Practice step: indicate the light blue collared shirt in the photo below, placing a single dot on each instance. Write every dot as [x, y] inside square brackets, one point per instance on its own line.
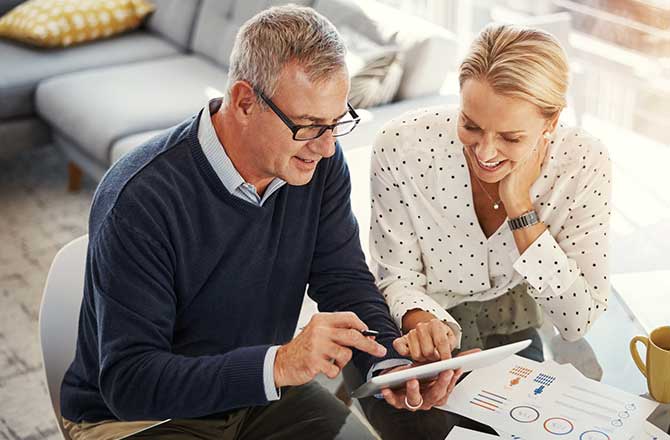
[237, 186]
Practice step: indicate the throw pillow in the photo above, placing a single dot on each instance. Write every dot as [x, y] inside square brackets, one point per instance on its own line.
[61, 23]
[376, 69]
[377, 82]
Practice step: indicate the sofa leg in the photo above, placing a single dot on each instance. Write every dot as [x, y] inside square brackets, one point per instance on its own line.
[74, 174]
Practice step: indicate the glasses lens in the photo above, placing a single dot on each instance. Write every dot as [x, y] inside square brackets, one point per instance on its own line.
[309, 132]
[344, 127]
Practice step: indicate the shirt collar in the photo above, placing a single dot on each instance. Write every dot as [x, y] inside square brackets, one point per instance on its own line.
[216, 153]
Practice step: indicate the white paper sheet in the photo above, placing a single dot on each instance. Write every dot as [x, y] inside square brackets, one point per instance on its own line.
[534, 401]
[458, 433]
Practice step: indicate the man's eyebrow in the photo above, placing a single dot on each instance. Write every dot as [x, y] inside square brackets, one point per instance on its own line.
[502, 132]
[319, 120]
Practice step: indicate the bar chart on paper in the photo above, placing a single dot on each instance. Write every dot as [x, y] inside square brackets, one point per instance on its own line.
[524, 399]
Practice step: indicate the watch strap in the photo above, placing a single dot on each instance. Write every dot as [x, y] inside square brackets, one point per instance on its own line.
[528, 219]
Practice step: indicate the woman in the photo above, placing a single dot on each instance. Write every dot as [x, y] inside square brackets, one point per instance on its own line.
[488, 216]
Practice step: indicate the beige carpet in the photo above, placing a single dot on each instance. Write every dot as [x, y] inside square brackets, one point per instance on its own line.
[37, 217]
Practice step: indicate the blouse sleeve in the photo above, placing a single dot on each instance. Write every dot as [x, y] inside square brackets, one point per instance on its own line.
[568, 275]
[394, 248]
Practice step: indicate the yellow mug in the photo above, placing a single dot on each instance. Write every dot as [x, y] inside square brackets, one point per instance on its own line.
[657, 367]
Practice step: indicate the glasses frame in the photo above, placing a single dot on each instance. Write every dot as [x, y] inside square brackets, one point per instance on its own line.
[297, 127]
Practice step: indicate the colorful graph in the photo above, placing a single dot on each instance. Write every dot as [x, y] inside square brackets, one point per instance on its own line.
[519, 373]
[544, 380]
[488, 400]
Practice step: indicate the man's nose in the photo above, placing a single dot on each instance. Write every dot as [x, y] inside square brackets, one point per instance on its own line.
[324, 145]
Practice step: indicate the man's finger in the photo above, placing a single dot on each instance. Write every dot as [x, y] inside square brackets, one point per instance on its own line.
[328, 368]
[341, 355]
[344, 320]
[354, 339]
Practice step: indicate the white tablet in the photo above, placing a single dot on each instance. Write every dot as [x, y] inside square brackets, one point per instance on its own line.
[468, 362]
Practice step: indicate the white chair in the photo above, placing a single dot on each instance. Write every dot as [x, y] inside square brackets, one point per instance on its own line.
[59, 317]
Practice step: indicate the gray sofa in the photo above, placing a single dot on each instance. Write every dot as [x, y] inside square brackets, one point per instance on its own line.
[98, 101]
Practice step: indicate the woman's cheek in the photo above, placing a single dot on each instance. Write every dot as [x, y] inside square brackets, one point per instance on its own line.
[466, 137]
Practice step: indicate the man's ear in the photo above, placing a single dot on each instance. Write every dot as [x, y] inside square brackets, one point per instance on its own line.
[243, 101]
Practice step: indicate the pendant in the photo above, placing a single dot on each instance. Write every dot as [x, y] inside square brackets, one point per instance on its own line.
[496, 205]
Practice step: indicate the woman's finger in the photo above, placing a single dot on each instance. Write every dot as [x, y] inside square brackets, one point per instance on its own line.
[413, 393]
[401, 345]
[414, 346]
[426, 342]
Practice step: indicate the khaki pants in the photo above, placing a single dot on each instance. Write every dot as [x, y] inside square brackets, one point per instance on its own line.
[305, 412]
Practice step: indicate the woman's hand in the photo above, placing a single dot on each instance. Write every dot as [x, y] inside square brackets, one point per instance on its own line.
[428, 341]
[514, 189]
[424, 395]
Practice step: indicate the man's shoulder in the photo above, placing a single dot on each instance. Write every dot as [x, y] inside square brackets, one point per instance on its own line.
[145, 173]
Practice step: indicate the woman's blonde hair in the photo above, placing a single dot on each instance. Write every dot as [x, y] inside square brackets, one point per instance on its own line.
[521, 62]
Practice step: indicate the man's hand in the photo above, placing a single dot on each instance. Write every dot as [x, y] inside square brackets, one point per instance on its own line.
[323, 346]
[424, 396]
[427, 342]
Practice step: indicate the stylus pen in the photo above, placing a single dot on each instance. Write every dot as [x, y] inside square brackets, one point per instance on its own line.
[363, 332]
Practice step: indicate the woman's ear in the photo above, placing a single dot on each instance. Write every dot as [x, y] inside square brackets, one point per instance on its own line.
[552, 123]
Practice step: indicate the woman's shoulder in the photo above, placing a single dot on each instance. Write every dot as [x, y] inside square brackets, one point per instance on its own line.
[577, 148]
[419, 130]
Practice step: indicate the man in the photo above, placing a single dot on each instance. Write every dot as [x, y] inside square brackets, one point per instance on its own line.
[201, 244]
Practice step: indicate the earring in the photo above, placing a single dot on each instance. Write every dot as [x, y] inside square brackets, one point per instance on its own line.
[547, 135]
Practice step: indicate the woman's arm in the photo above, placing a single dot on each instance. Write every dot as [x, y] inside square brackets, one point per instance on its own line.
[394, 246]
[568, 273]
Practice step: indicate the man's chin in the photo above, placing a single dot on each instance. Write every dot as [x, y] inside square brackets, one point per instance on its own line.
[299, 179]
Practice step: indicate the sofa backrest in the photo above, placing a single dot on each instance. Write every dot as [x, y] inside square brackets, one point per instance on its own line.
[218, 23]
[174, 20]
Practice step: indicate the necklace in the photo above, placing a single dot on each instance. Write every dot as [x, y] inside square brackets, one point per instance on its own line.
[496, 204]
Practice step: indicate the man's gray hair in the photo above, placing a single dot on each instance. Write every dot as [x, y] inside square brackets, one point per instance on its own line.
[283, 34]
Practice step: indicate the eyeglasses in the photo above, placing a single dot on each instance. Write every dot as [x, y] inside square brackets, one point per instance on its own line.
[309, 132]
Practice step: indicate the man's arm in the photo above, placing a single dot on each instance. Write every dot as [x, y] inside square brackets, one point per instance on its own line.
[136, 306]
[340, 279]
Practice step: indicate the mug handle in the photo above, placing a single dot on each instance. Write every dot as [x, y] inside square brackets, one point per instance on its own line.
[636, 356]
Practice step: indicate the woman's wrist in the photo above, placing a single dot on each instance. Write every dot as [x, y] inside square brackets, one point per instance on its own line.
[415, 316]
[517, 208]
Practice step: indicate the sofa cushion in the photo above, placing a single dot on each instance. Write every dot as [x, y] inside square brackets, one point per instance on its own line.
[219, 20]
[174, 20]
[95, 108]
[24, 67]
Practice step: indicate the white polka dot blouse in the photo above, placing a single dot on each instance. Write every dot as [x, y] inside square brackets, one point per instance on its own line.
[428, 250]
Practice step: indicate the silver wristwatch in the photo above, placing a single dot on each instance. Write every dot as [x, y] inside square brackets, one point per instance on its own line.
[528, 219]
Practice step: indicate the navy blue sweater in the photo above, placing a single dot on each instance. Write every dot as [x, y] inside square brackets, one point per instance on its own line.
[187, 286]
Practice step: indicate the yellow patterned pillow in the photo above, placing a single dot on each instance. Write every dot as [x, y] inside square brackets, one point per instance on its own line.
[62, 23]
